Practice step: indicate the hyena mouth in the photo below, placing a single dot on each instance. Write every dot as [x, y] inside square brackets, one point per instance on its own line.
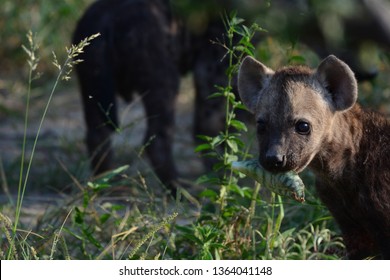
[284, 163]
[275, 164]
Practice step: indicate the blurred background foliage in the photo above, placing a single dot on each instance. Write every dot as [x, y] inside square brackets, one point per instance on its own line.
[51, 21]
[298, 31]
[349, 27]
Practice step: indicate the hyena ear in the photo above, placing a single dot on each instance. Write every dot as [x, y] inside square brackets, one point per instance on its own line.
[252, 77]
[339, 80]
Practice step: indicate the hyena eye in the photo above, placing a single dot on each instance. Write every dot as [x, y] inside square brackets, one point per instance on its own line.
[302, 127]
[261, 126]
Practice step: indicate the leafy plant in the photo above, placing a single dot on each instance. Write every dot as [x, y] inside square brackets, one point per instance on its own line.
[236, 222]
[216, 235]
[227, 146]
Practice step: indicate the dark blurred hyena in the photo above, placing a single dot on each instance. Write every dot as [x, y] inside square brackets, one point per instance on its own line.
[145, 47]
[310, 118]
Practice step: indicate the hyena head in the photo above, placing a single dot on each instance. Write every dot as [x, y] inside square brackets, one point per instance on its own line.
[295, 108]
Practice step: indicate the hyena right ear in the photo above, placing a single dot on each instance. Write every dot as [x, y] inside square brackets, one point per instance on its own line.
[252, 77]
[339, 80]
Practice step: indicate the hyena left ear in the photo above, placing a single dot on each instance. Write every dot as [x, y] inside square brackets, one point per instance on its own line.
[339, 80]
[252, 77]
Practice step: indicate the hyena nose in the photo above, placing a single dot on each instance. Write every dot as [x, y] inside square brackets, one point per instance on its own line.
[276, 161]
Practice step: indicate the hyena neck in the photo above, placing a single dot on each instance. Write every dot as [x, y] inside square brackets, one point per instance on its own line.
[341, 147]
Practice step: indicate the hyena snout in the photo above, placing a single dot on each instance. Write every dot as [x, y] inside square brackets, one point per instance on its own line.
[274, 160]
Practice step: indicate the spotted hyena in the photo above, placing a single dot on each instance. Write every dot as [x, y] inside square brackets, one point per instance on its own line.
[310, 118]
[145, 47]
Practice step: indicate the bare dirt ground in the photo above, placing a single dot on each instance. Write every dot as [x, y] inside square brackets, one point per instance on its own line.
[61, 152]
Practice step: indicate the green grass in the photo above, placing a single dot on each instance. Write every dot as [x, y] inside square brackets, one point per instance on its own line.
[126, 213]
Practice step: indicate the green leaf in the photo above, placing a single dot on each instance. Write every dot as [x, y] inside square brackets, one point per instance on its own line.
[91, 239]
[215, 95]
[213, 195]
[212, 154]
[79, 216]
[185, 229]
[236, 20]
[103, 218]
[207, 179]
[218, 166]
[245, 31]
[230, 96]
[238, 125]
[231, 158]
[240, 143]
[104, 181]
[204, 138]
[239, 105]
[98, 186]
[217, 140]
[202, 147]
[233, 145]
[206, 255]
[236, 189]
